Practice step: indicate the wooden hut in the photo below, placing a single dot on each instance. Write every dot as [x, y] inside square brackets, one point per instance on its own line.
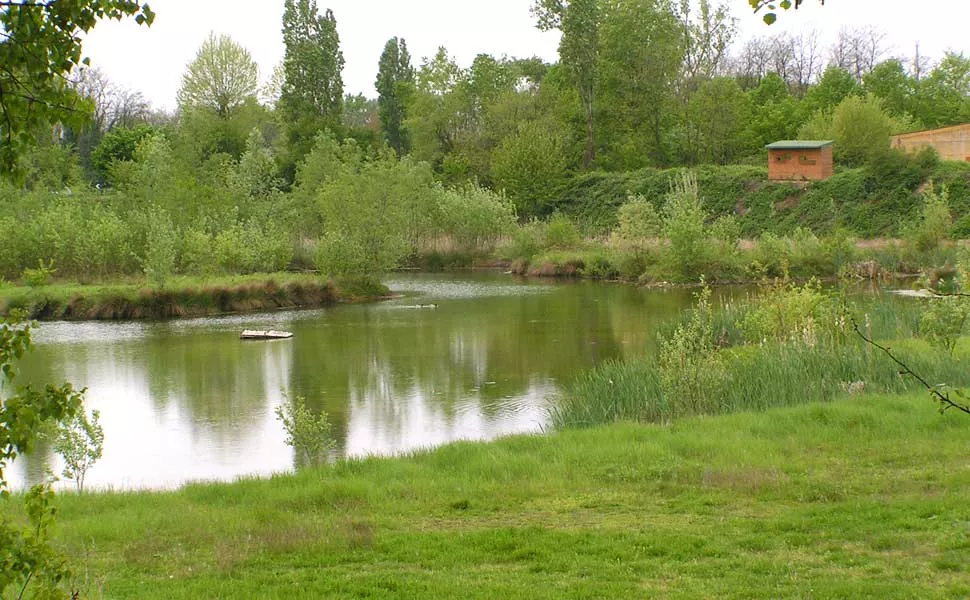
[800, 160]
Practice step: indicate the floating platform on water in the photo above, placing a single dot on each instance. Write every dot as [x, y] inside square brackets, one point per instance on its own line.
[923, 293]
[258, 334]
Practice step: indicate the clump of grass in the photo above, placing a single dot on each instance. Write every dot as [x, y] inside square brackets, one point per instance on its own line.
[788, 345]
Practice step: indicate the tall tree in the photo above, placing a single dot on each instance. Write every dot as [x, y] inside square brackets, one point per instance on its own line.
[890, 82]
[40, 44]
[432, 123]
[708, 33]
[579, 23]
[641, 53]
[312, 93]
[858, 50]
[717, 116]
[113, 107]
[221, 77]
[944, 96]
[395, 84]
[835, 86]
[774, 116]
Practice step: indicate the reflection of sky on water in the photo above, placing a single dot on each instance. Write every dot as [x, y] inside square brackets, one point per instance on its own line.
[419, 423]
[187, 400]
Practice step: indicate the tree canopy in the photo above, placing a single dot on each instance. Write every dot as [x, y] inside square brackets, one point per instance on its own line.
[221, 77]
[395, 84]
[39, 48]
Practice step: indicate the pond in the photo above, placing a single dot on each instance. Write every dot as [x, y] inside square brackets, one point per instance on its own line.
[186, 400]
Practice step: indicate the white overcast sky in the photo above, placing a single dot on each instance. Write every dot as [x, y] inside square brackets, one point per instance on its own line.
[152, 60]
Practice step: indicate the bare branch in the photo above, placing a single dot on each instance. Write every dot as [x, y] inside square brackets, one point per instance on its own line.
[944, 399]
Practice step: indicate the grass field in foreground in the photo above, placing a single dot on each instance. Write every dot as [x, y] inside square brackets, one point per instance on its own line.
[861, 497]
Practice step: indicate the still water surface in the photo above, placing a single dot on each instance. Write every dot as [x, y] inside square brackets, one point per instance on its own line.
[187, 400]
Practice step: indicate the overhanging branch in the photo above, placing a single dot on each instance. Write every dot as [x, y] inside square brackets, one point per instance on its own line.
[943, 398]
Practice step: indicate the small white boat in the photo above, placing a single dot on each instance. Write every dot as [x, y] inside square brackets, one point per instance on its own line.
[923, 293]
[258, 334]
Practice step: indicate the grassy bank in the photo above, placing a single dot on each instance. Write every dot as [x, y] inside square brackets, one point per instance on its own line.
[862, 497]
[183, 297]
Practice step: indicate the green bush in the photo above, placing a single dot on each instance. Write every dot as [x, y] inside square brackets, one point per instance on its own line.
[943, 320]
[934, 222]
[683, 226]
[561, 234]
[691, 371]
[473, 217]
[638, 221]
[158, 260]
[40, 276]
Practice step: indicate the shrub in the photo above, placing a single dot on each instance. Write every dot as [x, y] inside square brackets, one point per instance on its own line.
[561, 234]
[80, 442]
[934, 223]
[773, 256]
[691, 371]
[638, 221]
[787, 312]
[683, 225]
[196, 252]
[158, 261]
[943, 320]
[474, 217]
[40, 276]
[527, 241]
[308, 434]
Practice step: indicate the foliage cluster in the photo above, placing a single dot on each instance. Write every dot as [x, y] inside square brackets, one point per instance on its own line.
[309, 434]
[27, 555]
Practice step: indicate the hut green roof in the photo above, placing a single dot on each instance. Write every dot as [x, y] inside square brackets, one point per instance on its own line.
[799, 144]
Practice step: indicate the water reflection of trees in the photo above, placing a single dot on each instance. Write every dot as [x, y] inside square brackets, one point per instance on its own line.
[477, 362]
[475, 351]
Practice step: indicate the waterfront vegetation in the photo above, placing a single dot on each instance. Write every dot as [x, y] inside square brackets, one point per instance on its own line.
[763, 449]
[185, 296]
[176, 256]
[781, 346]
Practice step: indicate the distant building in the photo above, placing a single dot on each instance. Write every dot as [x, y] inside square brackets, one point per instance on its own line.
[953, 143]
[800, 160]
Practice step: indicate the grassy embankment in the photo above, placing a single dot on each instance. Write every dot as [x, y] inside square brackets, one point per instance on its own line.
[863, 222]
[183, 296]
[862, 497]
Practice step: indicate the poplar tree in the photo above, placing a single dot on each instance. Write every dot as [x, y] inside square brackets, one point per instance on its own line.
[395, 84]
[312, 93]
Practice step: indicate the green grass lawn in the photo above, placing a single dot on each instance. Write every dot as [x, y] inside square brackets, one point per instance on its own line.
[862, 497]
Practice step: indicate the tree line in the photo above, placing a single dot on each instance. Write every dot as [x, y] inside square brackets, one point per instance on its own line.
[638, 83]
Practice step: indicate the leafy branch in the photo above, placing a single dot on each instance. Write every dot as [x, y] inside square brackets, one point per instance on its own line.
[771, 17]
[942, 398]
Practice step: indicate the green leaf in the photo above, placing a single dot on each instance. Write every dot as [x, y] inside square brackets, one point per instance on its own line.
[770, 18]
